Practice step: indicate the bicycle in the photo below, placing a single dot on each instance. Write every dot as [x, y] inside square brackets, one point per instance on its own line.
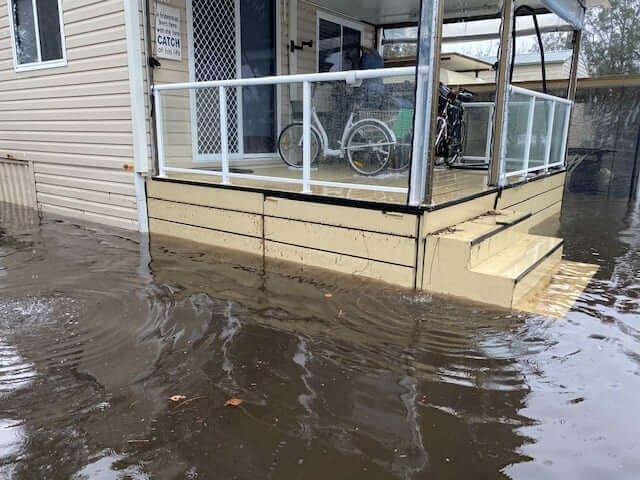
[450, 124]
[367, 143]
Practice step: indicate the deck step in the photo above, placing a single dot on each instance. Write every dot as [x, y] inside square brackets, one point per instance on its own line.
[516, 261]
[489, 259]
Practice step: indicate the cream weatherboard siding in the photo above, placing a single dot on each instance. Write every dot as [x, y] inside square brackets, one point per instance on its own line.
[74, 122]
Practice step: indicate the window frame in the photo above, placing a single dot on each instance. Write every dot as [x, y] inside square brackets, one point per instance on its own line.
[25, 67]
[343, 22]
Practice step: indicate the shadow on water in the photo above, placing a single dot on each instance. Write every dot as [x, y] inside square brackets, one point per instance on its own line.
[338, 377]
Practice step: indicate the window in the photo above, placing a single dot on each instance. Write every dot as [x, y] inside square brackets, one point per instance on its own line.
[36, 34]
[338, 44]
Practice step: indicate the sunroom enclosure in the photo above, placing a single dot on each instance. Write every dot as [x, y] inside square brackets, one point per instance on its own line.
[271, 103]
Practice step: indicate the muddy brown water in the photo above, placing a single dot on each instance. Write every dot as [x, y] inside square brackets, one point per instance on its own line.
[98, 329]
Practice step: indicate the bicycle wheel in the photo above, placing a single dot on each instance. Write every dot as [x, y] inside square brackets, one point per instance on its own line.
[457, 149]
[400, 157]
[290, 145]
[369, 146]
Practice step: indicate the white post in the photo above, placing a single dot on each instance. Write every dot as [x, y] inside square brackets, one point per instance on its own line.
[527, 145]
[157, 96]
[224, 135]
[547, 145]
[565, 135]
[306, 137]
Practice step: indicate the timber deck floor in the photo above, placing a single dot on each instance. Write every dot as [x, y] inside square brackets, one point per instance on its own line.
[448, 185]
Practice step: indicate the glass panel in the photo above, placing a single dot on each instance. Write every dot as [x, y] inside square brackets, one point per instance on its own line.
[49, 27]
[477, 129]
[329, 57]
[539, 133]
[365, 132]
[518, 111]
[258, 60]
[351, 40]
[557, 136]
[25, 33]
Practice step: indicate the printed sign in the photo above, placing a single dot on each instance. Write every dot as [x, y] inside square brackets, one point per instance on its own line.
[168, 40]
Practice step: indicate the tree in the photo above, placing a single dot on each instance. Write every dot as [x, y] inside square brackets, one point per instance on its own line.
[611, 39]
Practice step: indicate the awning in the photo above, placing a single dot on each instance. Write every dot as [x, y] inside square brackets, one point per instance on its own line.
[571, 11]
[388, 12]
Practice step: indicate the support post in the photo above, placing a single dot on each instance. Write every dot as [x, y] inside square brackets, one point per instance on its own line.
[430, 23]
[502, 94]
[435, 94]
[571, 91]
[224, 135]
[306, 137]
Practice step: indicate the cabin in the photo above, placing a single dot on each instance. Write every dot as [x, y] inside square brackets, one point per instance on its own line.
[275, 127]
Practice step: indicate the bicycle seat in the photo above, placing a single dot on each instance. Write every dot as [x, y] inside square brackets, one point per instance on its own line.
[465, 96]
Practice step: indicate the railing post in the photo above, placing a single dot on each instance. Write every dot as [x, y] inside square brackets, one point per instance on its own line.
[527, 144]
[224, 135]
[157, 100]
[547, 145]
[306, 137]
[565, 134]
[487, 148]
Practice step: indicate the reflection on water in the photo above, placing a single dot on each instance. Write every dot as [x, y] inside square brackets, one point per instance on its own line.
[98, 330]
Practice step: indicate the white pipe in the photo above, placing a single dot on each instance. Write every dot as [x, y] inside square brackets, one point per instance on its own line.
[544, 96]
[159, 133]
[351, 76]
[138, 116]
[224, 136]
[306, 137]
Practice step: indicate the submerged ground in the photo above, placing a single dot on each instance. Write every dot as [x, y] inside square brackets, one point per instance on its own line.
[338, 378]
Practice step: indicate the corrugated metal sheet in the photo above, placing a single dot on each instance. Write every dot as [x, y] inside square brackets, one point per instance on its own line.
[74, 122]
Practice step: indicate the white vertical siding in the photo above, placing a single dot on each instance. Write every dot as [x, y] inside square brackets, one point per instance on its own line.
[74, 122]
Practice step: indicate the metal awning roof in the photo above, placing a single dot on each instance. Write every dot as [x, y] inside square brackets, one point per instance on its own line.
[386, 12]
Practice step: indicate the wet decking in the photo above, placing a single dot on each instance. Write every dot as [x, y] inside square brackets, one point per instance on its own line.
[448, 184]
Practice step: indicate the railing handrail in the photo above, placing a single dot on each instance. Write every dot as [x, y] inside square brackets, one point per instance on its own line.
[350, 76]
[544, 96]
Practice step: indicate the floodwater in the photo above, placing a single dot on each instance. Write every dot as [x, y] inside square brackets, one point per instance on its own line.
[339, 378]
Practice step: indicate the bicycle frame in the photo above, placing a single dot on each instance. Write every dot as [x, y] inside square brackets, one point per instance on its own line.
[324, 138]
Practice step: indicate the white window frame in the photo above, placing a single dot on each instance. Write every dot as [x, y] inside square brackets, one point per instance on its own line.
[25, 67]
[343, 22]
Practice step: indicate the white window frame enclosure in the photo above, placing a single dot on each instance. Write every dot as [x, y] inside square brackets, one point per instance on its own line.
[25, 67]
[320, 15]
[547, 163]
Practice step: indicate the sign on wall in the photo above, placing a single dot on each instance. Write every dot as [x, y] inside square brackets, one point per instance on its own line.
[168, 40]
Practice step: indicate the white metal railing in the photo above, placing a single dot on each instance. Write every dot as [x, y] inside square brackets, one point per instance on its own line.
[551, 135]
[350, 77]
[489, 106]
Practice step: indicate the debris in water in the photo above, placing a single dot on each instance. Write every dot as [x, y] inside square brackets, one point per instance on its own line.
[177, 398]
[233, 402]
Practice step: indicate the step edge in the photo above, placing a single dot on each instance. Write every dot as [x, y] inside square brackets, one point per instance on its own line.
[501, 228]
[557, 243]
[544, 257]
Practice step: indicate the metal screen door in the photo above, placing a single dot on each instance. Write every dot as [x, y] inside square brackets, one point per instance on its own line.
[215, 42]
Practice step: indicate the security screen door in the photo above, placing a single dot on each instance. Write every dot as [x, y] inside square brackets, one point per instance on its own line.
[233, 39]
